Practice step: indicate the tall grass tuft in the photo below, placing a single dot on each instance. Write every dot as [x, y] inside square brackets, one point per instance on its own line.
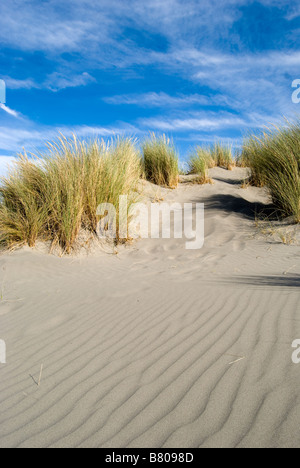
[57, 195]
[160, 161]
[222, 155]
[274, 159]
[249, 157]
[204, 158]
[23, 207]
[111, 170]
[64, 181]
[122, 170]
[217, 155]
[199, 163]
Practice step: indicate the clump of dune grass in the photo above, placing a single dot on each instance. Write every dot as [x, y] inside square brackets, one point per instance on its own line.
[241, 159]
[23, 207]
[216, 155]
[57, 195]
[207, 154]
[222, 155]
[274, 159]
[122, 170]
[204, 158]
[250, 158]
[160, 161]
[63, 187]
[199, 163]
[110, 171]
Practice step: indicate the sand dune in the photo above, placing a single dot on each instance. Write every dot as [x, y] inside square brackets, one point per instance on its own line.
[156, 346]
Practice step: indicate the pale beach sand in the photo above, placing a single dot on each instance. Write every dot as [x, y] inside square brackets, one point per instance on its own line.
[156, 346]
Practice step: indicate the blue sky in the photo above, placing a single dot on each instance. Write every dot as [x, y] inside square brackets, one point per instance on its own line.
[196, 70]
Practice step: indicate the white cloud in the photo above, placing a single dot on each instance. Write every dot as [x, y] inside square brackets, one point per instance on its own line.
[58, 81]
[99, 30]
[253, 81]
[207, 122]
[34, 137]
[39, 26]
[13, 83]
[154, 99]
[9, 111]
[184, 39]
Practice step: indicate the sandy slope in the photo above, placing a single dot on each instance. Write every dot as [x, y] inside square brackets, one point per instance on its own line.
[139, 348]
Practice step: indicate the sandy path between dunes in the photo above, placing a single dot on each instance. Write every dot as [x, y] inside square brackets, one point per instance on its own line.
[138, 349]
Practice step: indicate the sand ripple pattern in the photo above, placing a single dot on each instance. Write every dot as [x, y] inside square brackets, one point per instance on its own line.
[156, 347]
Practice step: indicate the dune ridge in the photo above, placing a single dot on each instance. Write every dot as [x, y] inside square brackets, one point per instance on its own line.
[156, 346]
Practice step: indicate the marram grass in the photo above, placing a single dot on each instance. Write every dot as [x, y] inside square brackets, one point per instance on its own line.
[274, 159]
[23, 207]
[160, 160]
[56, 196]
[199, 163]
[222, 156]
[204, 158]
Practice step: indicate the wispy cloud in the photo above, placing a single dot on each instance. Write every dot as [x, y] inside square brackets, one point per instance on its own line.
[162, 99]
[208, 57]
[13, 83]
[44, 26]
[34, 137]
[55, 81]
[207, 122]
[9, 111]
[101, 30]
[58, 81]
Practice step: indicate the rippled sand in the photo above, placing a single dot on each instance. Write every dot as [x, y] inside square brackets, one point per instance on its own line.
[156, 346]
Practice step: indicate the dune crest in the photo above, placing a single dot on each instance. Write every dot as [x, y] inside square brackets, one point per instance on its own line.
[156, 346]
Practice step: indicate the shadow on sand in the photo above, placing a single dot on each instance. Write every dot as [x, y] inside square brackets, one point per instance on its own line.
[239, 206]
[235, 182]
[289, 281]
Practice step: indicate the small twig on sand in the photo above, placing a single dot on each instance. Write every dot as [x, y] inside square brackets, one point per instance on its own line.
[237, 360]
[287, 271]
[240, 358]
[41, 372]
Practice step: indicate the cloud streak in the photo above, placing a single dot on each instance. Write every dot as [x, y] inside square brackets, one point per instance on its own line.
[55, 81]
[206, 122]
[9, 111]
[34, 137]
[166, 59]
[153, 99]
